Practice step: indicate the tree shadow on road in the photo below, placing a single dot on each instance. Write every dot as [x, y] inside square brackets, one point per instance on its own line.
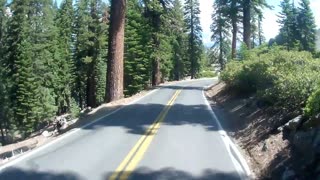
[169, 173]
[137, 118]
[20, 174]
[139, 174]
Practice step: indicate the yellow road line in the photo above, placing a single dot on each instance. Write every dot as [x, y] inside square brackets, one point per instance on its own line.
[137, 152]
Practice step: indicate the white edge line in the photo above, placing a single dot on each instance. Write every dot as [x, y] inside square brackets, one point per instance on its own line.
[227, 141]
[69, 133]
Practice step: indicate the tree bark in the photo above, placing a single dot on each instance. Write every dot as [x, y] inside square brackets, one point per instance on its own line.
[91, 73]
[234, 23]
[114, 89]
[234, 38]
[91, 87]
[3, 140]
[156, 73]
[156, 23]
[192, 45]
[260, 30]
[247, 23]
[221, 48]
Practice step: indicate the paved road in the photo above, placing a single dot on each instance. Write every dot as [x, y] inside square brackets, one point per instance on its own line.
[169, 134]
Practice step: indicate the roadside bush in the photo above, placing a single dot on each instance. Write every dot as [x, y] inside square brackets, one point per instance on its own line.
[312, 110]
[282, 78]
[74, 110]
[313, 104]
[207, 74]
[248, 76]
[231, 72]
[294, 78]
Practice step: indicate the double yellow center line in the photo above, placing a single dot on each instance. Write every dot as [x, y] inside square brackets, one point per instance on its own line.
[131, 161]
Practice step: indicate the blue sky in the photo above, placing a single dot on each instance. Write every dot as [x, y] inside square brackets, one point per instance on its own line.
[270, 25]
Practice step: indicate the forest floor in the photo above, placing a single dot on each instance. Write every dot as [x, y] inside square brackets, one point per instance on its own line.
[13, 151]
[253, 130]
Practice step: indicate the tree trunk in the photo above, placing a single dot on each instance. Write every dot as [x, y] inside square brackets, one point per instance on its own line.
[192, 56]
[177, 68]
[3, 140]
[221, 50]
[156, 73]
[260, 30]
[91, 73]
[234, 38]
[247, 23]
[253, 40]
[91, 87]
[192, 45]
[234, 23]
[114, 89]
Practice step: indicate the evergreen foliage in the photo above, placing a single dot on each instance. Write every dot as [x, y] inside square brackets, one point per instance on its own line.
[192, 19]
[90, 51]
[179, 43]
[137, 50]
[220, 31]
[306, 26]
[54, 56]
[65, 72]
[298, 29]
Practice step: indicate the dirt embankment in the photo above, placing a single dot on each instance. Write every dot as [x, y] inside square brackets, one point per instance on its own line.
[270, 151]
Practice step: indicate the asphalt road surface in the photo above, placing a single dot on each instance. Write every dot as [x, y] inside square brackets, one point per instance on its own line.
[168, 134]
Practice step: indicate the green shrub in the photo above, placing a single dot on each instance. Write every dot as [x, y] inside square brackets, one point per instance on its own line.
[312, 110]
[74, 109]
[231, 72]
[313, 104]
[283, 78]
[207, 74]
[294, 78]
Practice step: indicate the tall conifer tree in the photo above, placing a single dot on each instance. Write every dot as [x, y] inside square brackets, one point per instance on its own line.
[192, 18]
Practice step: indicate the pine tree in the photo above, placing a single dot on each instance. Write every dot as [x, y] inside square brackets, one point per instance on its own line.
[45, 53]
[165, 52]
[137, 51]
[288, 22]
[31, 55]
[156, 13]
[220, 31]
[97, 51]
[192, 13]
[81, 59]
[249, 8]
[246, 8]
[90, 30]
[256, 34]
[260, 30]
[101, 48]
[179, 40]
[306, 26]
[114, 89]
[234, 8]
[19, 64]
[2, 24]
[3, 84]
[65, 82]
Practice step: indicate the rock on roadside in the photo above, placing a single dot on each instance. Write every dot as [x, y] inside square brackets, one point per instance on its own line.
[46, 134]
